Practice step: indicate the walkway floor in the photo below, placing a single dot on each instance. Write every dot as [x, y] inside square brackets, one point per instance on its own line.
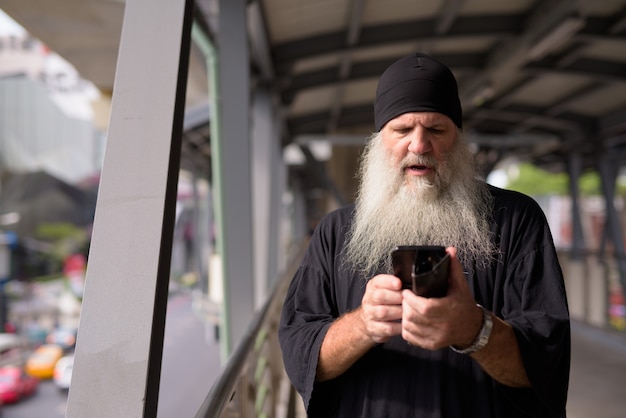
[598, 374]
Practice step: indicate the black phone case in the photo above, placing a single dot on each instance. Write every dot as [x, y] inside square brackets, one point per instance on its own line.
[430, 284]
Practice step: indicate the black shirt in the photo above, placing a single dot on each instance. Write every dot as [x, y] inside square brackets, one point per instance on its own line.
[524, 286]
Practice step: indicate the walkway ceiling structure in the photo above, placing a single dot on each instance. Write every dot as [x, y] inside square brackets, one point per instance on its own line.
[538, 79]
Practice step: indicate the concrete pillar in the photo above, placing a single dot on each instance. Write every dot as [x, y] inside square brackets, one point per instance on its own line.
[120, 337]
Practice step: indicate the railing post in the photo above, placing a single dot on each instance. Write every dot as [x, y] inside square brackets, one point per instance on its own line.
[253, 382]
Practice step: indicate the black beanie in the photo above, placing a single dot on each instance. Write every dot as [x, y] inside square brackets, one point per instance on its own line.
[417, 83]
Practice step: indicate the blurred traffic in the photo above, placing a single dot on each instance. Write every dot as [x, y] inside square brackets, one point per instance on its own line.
[39, 317]
[15, 384]
[63, 372]
[27, 364]
[41, 389]
[42, 361]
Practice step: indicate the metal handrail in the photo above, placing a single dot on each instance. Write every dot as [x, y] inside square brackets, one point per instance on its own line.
[243, 389]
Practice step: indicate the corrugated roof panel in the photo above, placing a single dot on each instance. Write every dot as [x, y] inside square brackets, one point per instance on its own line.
[313, 100]
[602, 101]
[495, 7]
[360, 92]
[316, 62]
[547, 89]
[289, 19]
[606, 49]
[378, 12]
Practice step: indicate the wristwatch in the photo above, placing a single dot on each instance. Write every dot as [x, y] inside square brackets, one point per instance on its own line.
[483, 336]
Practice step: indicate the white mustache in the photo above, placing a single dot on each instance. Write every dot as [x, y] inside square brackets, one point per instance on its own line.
[419, 160]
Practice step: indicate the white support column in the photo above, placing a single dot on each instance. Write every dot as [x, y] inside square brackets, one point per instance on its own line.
[574, 168]
[576, 276]
[278, 252]
[233, 179]
[120, 338]
[597, 292]
[300, 226]
[576, 265]
[608, 167]
[262, 182]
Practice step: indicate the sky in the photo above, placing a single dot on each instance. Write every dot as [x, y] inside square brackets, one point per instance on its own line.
[72, 103]
[8, 26]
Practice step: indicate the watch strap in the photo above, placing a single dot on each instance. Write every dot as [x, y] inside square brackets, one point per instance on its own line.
[483, 335]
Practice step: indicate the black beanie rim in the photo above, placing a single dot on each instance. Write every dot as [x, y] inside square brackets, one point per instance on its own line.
[423, 108]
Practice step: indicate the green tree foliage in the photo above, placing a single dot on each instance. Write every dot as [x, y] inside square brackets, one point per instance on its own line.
[534, 181]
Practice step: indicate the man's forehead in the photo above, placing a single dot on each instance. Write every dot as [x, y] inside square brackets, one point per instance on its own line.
[421, 117]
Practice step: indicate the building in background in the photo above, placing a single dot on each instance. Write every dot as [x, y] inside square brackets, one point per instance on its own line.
[46, 117]
[47, 131]
[51, 153]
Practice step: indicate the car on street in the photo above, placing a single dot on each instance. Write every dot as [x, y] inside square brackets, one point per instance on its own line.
[42, 361]
[63, 336]
[63, 372]
[15, 384]
[12, 349]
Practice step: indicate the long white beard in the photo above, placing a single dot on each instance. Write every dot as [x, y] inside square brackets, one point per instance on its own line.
[393, 209]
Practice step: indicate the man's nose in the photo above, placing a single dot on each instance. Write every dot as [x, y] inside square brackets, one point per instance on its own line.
[419, 142]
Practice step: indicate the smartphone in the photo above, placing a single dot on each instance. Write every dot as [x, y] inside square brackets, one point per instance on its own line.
[423, 269]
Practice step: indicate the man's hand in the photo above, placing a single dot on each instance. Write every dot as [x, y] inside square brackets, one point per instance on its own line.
[434, 323]
[356, 332]
[381, 308]
[456, 320]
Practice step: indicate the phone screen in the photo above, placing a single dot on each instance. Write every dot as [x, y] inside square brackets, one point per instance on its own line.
[423, 269]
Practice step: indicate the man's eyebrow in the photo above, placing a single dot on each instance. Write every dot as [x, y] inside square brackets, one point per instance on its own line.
[435, 122]
[399, 125]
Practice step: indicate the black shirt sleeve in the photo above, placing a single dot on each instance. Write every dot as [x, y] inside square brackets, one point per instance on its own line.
[533, 301]
[311, 304]
[303, 329]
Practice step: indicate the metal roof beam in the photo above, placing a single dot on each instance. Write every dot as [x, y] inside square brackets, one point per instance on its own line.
[603, 70]
[449, 12]
[547, 26]
[613, 124]
[561, 105]
[345, 62]
[258, 40]
[498, 26]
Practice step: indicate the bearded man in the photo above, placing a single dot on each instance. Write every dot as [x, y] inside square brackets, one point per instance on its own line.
[356, 344]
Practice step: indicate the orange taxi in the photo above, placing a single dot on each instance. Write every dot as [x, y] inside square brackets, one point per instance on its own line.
[42, 361]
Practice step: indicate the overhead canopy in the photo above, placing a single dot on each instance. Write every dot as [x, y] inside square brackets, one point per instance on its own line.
[537, 78]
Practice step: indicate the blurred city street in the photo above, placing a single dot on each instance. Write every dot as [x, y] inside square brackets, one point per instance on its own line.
[191, 363]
